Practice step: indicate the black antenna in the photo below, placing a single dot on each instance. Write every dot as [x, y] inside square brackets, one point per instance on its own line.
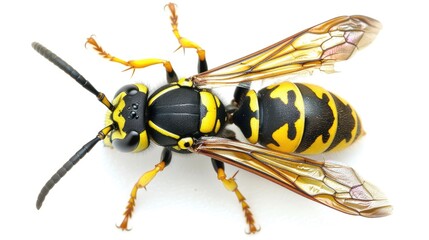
[69, 164]
[52, 57]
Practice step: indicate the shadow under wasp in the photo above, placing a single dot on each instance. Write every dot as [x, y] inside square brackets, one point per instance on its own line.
[185, 116]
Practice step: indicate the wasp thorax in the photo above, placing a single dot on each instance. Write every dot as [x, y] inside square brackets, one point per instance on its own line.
[129, 118]
[179, 113]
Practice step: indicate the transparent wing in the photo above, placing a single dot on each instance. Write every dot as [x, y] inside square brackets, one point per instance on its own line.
[333, 185]
[318, 47]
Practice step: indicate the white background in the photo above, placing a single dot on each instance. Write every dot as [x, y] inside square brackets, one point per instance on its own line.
[47, 117]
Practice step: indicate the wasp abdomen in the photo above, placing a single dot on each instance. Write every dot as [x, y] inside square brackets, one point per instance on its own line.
[296, 117]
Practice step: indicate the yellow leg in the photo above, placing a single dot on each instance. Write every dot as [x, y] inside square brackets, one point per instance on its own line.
[232, 186]
[141, 183]
[131, 64]
[184, 42]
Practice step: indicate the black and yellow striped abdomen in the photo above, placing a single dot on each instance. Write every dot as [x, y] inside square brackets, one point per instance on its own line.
[296, 117]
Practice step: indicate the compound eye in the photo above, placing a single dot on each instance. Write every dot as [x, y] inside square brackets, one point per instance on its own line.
[128, 143]
[130, 89]
[132, 141]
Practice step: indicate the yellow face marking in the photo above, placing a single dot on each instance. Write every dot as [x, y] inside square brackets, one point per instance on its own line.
[280, 135]
[117, 116]
[153, 98]
[163, 131]
[209, 120]
[143, 143]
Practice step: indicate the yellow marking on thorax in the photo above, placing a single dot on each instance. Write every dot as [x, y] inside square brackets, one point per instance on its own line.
[163, 131]
[209, 120]
[153, 98]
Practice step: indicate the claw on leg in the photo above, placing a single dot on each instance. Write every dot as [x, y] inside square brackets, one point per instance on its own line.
[132, 64]
[141, 183]
[231, 185]
[184, 42]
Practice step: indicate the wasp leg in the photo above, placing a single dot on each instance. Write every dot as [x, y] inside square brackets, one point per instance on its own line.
[143, 181]
[186, 43]
[134, 64]
[231, 185]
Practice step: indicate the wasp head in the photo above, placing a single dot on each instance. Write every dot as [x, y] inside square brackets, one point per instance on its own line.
[129, 118]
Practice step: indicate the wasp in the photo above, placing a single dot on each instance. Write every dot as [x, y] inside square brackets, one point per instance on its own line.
[185, 116]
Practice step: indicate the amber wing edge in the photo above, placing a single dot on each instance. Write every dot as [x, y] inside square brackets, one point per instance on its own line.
[331, 184]
[318, 47]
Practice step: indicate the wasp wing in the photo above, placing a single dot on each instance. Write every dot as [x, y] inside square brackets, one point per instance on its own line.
[318, 47]
[333, 185]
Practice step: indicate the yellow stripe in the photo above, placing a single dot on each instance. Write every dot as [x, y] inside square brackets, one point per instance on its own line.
[254, 121]
[143, 143]
[217, 126]
[217, 101]
[209, 120]
[153, 98]
[177, 148]
[141, 87]
[117, 116]
[254, 106]
[254, 125]
[184, 82]
[163, 131]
